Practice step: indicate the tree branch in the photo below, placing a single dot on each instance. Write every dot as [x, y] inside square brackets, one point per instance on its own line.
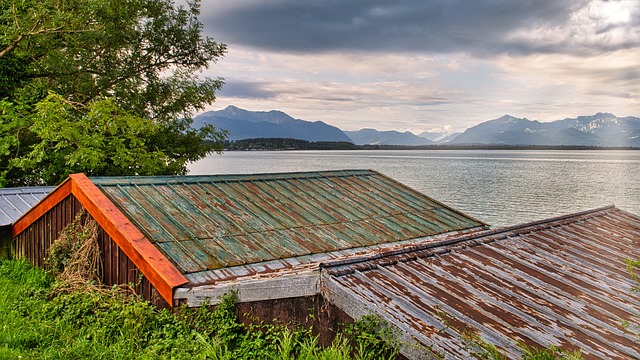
[34, 32]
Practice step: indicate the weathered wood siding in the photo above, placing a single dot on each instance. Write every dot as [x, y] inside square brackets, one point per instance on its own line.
[34, 242]
[117, 269]
[5, 242]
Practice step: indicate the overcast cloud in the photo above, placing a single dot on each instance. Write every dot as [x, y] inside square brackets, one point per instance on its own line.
[422, 65]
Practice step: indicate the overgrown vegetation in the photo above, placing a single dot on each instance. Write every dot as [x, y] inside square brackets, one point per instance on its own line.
[482, 349]
[40, 324]
[633, 325]
[75, 252]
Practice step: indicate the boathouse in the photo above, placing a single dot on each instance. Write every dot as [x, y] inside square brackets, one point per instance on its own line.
[355, 242]
[183, 232]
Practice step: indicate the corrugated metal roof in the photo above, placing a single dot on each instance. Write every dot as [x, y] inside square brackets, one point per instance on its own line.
[562, 282]
[203, 223]
[14, 202]
[295, 265]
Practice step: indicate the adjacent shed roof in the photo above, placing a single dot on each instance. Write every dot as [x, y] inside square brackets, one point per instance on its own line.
[561, 281]
[14, 202]
[204, 223]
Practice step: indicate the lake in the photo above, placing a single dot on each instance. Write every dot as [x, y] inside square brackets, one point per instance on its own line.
[499, 187]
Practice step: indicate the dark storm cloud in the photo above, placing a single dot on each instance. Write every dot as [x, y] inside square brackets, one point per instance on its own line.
[246, 90]
[442, 26]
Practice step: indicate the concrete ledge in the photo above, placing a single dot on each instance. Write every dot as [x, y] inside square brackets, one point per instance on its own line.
[251, 290]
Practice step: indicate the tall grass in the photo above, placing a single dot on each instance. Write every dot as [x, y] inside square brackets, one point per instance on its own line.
[38, 323]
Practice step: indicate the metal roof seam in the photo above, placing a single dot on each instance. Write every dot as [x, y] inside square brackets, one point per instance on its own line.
[175, 240]
[171, 218]
[553, 275]
[548, 282]
[137, 203]
[589, 254]
[527, 283]
[277, 216]
[444, 307]
[313, 202]
[572, 239]
[441, 204]
[258, 208]
[502, 233]
[199, 210]
[478, 275]
[540, 244]
[191, 207]
[426, 250]
[252, 219]
[601, 310]
[413, 199]
[499, 337]
[342, 295]
[293, 209]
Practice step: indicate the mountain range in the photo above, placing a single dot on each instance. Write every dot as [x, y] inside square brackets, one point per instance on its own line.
[243, 124]
[375, 137]
[601, 129]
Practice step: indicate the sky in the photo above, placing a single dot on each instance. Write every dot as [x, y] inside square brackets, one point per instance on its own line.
[427, 65]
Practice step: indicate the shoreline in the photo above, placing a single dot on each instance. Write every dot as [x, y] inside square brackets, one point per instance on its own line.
[275, 144]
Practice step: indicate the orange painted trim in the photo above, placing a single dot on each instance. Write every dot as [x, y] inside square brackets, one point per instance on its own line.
[156, 267]
[47, 203]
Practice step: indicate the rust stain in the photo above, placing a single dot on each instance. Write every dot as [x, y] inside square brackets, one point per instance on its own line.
[559, 282]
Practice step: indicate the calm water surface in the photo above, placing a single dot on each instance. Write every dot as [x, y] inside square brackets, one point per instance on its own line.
[500, 187]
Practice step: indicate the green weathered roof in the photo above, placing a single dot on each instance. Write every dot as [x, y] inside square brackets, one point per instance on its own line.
[209, 222]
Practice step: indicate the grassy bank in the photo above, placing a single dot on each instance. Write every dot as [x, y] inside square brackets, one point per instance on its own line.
[38, 321]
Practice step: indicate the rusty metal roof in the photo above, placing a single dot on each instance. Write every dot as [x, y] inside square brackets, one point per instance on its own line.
[14, 202]
[203, 223]
[561, 281]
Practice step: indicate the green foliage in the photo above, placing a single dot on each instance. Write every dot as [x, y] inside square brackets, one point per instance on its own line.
[373, 338]
[632, 268]
[551, 353]
[36, 324]
[103, 87]
[100, 139]
[482, 349]
[631, 325]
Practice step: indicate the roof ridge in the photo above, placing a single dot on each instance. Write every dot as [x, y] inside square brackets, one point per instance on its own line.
[412, 252]
[163, 179]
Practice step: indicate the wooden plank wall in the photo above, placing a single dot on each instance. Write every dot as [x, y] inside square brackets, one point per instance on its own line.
[117, 269]
[34, 242]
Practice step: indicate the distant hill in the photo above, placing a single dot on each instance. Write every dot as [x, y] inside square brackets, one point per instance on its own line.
[375, 137]
[242, 124]
[601, 129]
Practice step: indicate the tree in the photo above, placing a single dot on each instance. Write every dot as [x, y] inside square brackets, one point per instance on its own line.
[77, 73]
